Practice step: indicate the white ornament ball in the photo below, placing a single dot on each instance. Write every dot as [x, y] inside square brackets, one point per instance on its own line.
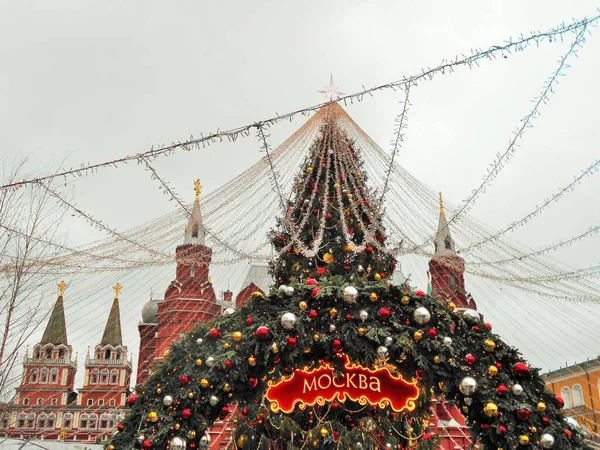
[468, 401]
[213, 400]
[287, 290]
[361, 268]
[205, 439]
[199, 341]
[389, 341]
[363, 315]
[468, 386]
[547, 440]
[572, 423]
[517, 389]
[141, 438]
[350, 294]
[382, 352]
[167, 400]
[388, 445]
[421, 315]
[178, 444]
[448, 340]
[228, 311]
[210, 361]
[288, 321]
[332, 328]
[471, 314]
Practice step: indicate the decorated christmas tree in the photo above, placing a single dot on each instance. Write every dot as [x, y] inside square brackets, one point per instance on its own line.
[336, 357]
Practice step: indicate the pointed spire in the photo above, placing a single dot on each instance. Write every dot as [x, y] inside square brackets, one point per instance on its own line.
[56, 330]
[444, 244]
[194, 232]
[112, 332]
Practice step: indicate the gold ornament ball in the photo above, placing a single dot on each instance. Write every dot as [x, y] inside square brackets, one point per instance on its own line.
[336, 185]
[252, 360]
[204, 383]
[333, 312]
[324, 432]
[274, 347]
[198, 362]
[190, 394]
[533, 429]
[452, 306]
[226, 345]
[303, 305]
[152, 416]
[177, 426]
[328, 258]
[110, 447]
[202, 426]
[309, 170]
[362, 331]
[191, 435]
[158, 390]
[436, 359]
[541, 406]
[489, 345]
[316, 337]
[418, 335]
[348, 248]
[242, 441]
[490, 409]
[166, 353]
[405, 300]
[492, 371]
[373, 297]
[524, 439]
[377, 277]
[237, 336]
[257, 294]
[465, 409]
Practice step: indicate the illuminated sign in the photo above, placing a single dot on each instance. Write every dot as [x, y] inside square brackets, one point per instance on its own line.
[359, 384]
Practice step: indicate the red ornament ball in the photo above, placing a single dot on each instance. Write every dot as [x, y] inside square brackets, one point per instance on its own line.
[131, 399]
[192, 445]
[225, 410]
[186, 413]
[488, 326]
[470, 359]
[311, 282]
[337, 346]
[253, 382]
[545, 420]
[320, 271]
[147, 444]
[502, 390]
[369, 249]
[245, 411]
[384, 313]
[419, 374]
[228, 364]
[523, 414]
[121, 427]
[335, 405]
[476, 328]
[561, 401]
[183, 379]
[316, 291]
[502, 429]
[312, 314]
[521, 369]
[432, 333]
[420, 293]
[249, 320]
[214, 333]
[426, 436]
[262, 332]
[291, 342]
[568, 433]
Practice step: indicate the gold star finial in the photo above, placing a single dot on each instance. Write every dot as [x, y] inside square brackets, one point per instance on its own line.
[61, 287]
[197, 188]
[117, 288]
[441, 204]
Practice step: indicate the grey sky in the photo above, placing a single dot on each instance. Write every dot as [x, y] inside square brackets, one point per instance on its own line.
[91, 81]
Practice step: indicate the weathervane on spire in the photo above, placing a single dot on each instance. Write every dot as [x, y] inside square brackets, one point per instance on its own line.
[331, 92]
[197, 188]
[117, 288]
[441, 204]
[61, 287]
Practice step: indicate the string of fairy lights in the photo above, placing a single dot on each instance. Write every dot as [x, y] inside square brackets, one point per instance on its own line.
[143, 257]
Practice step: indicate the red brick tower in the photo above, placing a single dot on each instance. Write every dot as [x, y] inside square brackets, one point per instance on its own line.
[447, 268]
[48, 377]
[106, 381]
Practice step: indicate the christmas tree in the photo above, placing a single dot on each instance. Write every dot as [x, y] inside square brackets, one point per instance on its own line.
[336, 357]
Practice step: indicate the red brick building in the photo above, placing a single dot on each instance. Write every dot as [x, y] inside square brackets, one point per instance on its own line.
[46, 406]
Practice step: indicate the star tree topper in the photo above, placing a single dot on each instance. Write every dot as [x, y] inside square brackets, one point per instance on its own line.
[331, 92]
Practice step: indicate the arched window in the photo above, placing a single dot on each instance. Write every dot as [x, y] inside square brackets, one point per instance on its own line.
[100, 402]
[83, 421]
[577, 396]
[114, 376]
[5, 420]
[93, 421]
[106, 421]
[107, 354]
[25, 401]
[21, 420]
[34, 376]
[565, 393]
[54, 375]
[44, 375]
[36, 353]
[67, 420]
[53, 401]
[61, 353]
[41, 421]
[94, 376]
[30, 420]
[104, 376]
[50, 421]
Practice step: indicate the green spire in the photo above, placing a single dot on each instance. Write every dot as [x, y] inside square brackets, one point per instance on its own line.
[112, 332]
[56, 330]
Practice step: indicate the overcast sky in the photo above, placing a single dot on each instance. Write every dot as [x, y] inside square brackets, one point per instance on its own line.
[92, 81]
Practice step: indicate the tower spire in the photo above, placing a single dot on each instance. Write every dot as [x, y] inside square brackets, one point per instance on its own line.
[112, 331]
[56, 329]
[194, 231]
[444, 244]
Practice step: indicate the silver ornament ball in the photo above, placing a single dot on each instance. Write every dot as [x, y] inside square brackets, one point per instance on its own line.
[332, 328]
[389, 341]
[448, 340]
[178, 444]
[421, 315]
[363, 315]
[141, 438]
[213, 400]
[288, 321]
[517, 389]
[350, 294]
[547, 440]
[205, 439]
[468, 401]
[471, 314]
[382, 352]
[210, 361]
[468, 386]
[572, 423]
[167, 400]
[228, 311]
[199, 341]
